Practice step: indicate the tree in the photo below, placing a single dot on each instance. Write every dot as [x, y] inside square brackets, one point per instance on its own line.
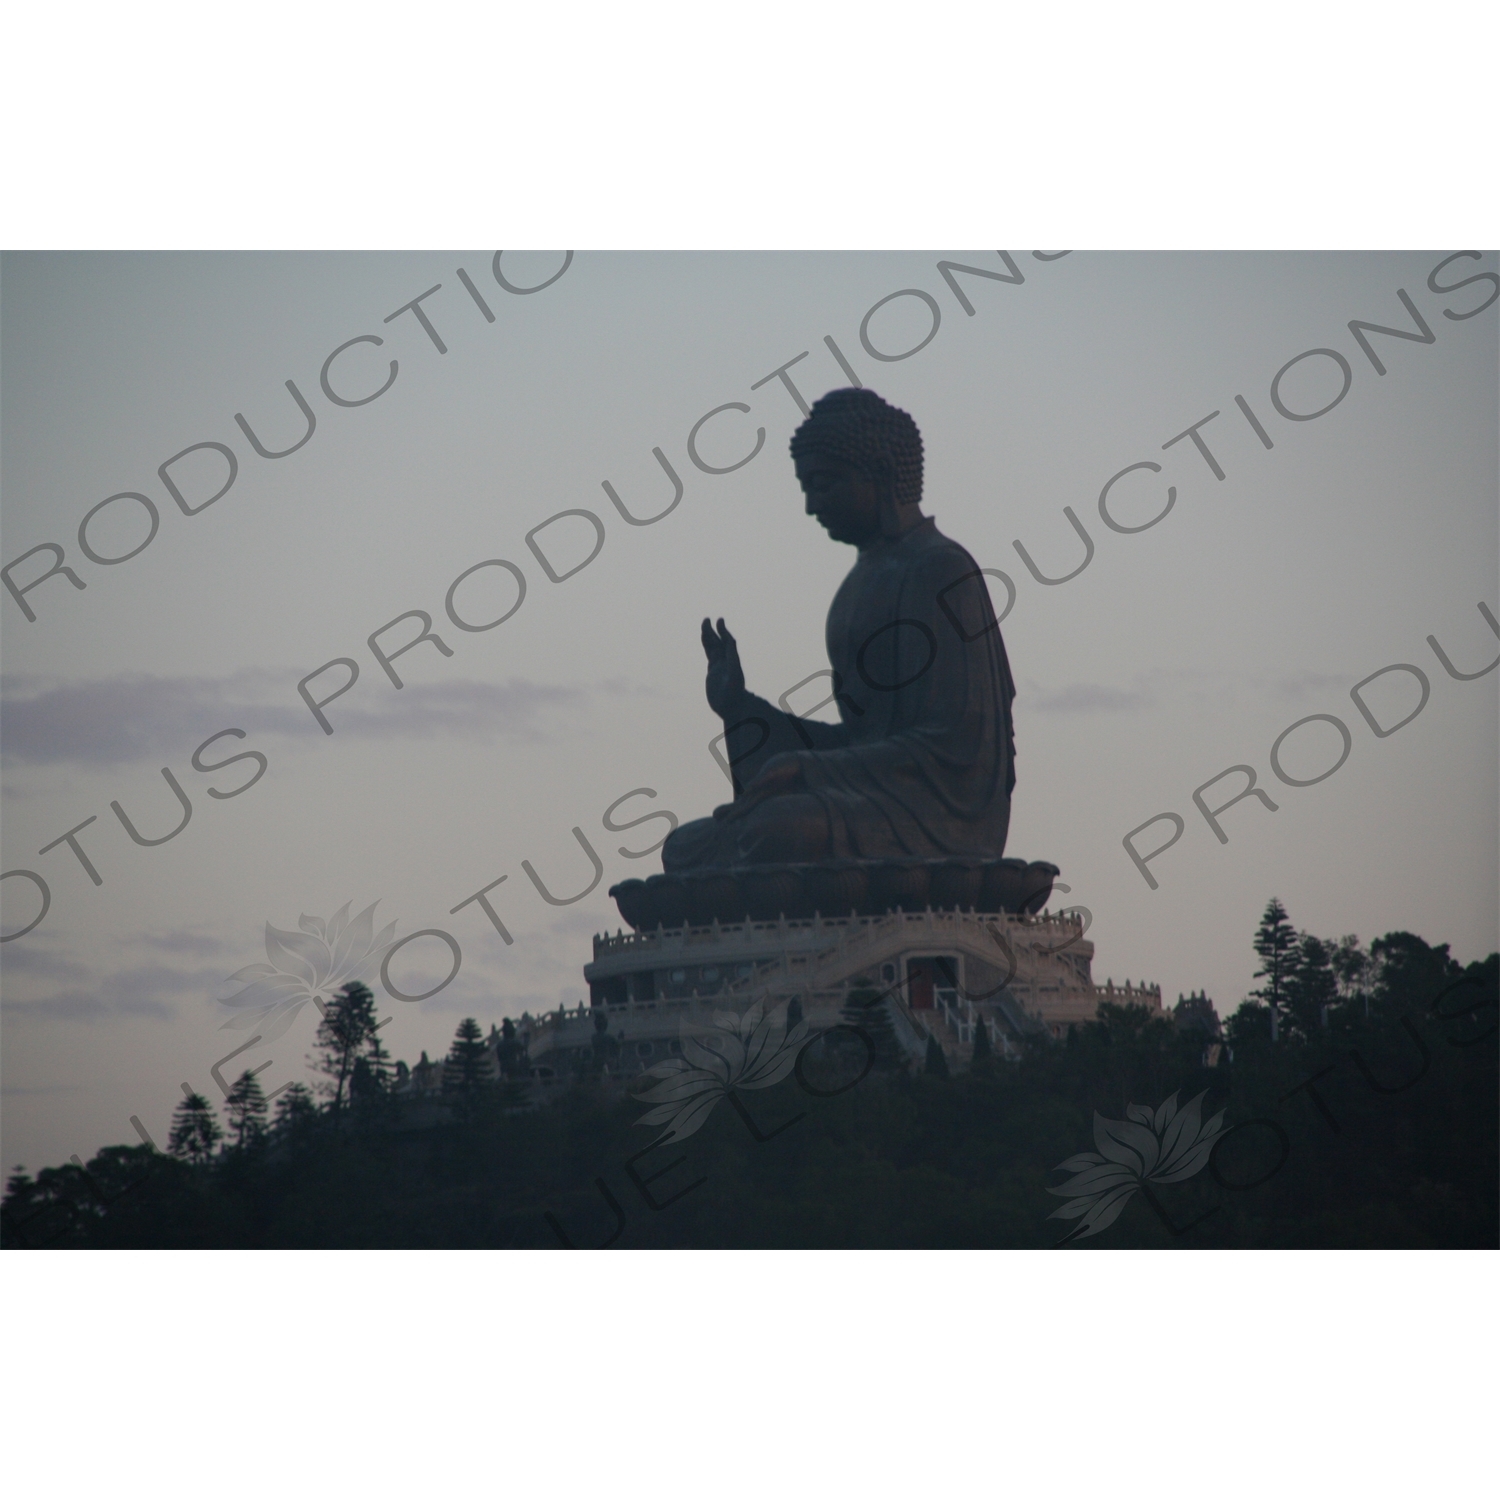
[936, 1064]
[1248, 1026]
[56, 1209]
[1310, 986]
[465, 1069]
[866, 1011]
[247, 1109]
[377, 1060]
[509, 1050]
[346, 1033]
[22, 1206]
[295, 1107]
[1274, 941]
[1128, 1025]
[1409, 969]
[604, 1051]
[361, 1082]
[195, 1131]
[1351, 964]
[983, 1055]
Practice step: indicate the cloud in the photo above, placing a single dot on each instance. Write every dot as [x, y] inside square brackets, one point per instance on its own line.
[195, 944]
[486, 1006]
[139, 991]
[1088, 698]
[471, 994]
[1308, 682]
[68, 1005]
[144, 990]
[33, 961]
[585, 923]
[116, 720]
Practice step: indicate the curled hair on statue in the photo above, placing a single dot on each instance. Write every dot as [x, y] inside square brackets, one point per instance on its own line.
[878, 440]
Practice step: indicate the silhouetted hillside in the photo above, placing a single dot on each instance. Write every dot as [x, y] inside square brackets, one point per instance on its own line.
[1371, 1121]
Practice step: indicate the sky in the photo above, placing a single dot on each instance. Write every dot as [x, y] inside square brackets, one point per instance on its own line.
[1181, 649]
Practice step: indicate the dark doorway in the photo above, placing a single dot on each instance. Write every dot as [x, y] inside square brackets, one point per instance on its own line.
[925, 976]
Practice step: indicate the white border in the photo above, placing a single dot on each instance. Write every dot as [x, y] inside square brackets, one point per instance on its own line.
[808, 125]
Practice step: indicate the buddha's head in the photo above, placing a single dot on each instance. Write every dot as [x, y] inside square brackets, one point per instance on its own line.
[859, 462]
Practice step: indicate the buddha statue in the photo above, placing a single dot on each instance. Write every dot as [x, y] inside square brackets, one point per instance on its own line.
[921, 764]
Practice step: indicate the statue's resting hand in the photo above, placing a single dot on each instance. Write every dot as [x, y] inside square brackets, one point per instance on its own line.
[780, 775]
[725, 684]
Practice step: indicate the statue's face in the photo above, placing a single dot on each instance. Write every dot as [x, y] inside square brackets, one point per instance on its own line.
[843, 501]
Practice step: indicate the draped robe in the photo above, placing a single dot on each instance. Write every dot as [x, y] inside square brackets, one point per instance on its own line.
[922, 761]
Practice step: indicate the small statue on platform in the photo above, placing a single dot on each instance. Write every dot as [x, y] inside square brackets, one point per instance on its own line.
[922, 762]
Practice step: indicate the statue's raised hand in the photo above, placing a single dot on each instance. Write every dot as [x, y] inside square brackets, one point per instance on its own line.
[725, 683]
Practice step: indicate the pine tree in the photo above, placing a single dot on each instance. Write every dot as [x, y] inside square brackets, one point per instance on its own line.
[866, 1011]
[983, 1056]
[936, 1064]
[509, 1050]
[362, 1086]
[247, 1109]
[345, 1034]
[378, 1060]
[1274, 941]
[195, 1131]
[465, 1070]
[1311, 986]
[295, 1107]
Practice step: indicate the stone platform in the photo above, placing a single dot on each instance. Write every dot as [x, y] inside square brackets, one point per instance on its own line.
[866, 888]
[1026, 977]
